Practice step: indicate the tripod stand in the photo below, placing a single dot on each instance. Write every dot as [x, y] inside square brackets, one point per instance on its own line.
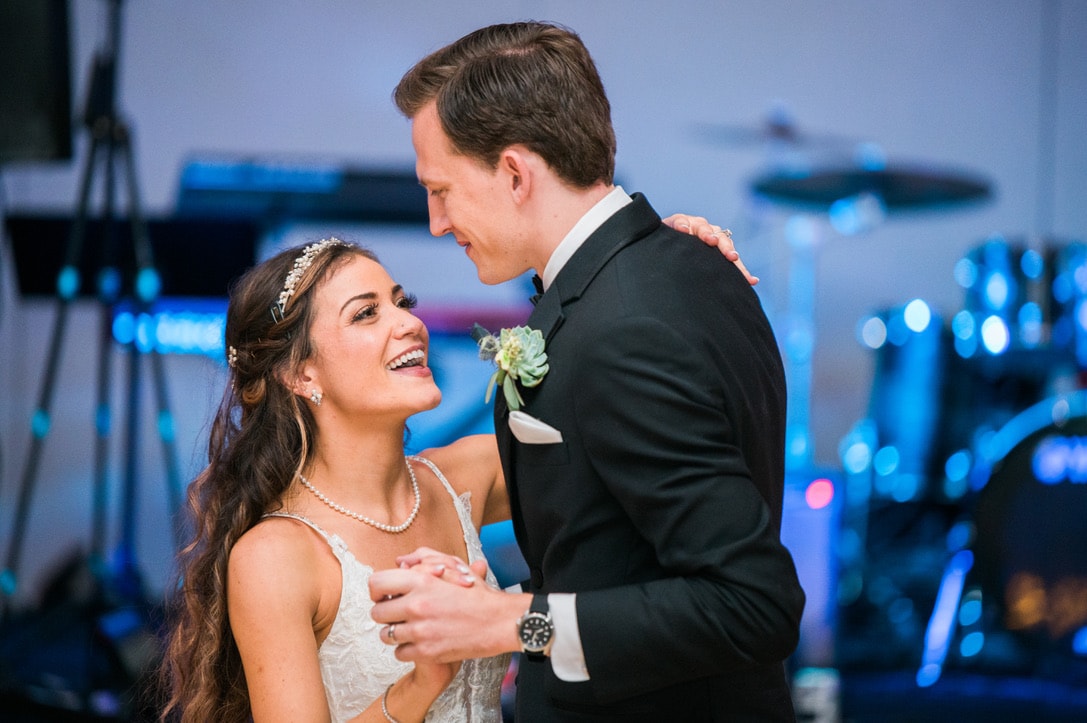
[110, 147]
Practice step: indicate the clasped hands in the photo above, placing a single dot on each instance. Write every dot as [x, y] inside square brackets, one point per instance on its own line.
[436, 608]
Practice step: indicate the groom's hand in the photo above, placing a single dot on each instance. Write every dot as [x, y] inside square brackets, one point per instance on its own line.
[427, 618]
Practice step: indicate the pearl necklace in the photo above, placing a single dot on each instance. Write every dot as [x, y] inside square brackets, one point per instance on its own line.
[363, 518]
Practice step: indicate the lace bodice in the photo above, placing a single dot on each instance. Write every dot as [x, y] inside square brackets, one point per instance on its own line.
[357, 667]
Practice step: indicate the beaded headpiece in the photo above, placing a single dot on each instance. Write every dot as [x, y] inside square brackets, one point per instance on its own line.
[301, 264]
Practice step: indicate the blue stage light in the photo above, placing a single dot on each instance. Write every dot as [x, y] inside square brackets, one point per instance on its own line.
[971, 644]
[966, 273]
[148, 285]
[1079, 642]
[942, 623]
[109, 283]
[994, 335]
[957, 465]
[873, 332]
[857, 458]
[917, 315]
[68, 282]
[905, 487]
[1032, 264]
[885, 461]
[969, 611]
[997, 291]
[960, 536]
[1030, 324]
[124, 327]
[963, 325]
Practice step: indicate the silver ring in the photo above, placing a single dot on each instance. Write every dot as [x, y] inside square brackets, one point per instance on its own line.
[392, 633]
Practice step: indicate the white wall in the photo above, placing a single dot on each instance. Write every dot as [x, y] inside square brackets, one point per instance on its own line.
[997, 87]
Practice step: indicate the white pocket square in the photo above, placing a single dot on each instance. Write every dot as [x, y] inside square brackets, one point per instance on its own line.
[530, 430]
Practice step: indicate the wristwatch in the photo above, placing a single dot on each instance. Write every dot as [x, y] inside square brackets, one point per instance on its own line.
[536, 630]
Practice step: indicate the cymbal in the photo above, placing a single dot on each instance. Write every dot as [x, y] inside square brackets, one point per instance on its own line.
[899, 188]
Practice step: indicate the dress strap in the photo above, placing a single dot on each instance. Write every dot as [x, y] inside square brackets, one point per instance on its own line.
[330, 539]
[437, 473]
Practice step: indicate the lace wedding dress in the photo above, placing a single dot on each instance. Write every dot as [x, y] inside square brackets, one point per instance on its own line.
[357, 667]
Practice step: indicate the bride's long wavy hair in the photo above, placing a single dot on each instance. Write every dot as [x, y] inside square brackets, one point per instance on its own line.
[260, 439]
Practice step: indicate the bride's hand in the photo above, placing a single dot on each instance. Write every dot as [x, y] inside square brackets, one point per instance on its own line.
[447, 567]
[411, 697]
[712, 235]
[435, 675]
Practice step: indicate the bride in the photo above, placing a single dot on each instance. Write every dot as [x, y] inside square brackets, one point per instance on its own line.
[308, 491]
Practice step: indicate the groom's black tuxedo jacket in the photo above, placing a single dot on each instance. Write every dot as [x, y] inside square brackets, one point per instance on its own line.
[661, 507]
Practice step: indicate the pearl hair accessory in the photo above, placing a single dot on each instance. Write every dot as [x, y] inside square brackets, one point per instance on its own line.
[231, 357]
[363, 518]
[301, 264]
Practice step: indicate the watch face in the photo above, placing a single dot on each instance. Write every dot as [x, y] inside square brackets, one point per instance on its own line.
[536, 631]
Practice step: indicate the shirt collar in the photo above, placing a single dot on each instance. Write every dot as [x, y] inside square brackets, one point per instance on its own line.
[604, 209]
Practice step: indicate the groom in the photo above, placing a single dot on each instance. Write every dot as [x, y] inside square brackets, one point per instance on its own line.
[649, 506]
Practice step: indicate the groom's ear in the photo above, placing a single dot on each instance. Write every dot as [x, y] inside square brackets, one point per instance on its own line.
[515, 165]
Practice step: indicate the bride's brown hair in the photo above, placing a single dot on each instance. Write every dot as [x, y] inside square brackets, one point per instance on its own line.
[260, 438]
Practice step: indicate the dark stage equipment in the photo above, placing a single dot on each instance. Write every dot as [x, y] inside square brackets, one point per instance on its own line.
[897, 188]
[273, 190]
[115, 592]
[961, 555]
[197, 257]
[964, 554]
[35, 81]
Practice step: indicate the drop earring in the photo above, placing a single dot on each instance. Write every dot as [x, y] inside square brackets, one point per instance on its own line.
[315, 397]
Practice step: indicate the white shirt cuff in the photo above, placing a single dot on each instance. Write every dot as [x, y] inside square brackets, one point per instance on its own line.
[567, 657]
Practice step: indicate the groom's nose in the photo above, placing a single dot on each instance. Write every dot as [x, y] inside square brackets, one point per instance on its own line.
[439, 222]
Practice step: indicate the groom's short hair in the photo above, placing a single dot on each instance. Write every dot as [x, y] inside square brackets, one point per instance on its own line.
[528, 83]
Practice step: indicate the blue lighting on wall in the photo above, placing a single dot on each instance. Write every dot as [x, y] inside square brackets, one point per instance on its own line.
[1058, 458]
[174, 326]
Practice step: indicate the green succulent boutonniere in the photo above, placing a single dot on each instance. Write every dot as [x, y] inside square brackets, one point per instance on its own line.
[520, 357]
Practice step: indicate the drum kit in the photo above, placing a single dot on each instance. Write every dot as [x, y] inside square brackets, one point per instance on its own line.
[963, 522]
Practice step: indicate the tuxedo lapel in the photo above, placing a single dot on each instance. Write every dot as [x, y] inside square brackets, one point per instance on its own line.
[630, 223]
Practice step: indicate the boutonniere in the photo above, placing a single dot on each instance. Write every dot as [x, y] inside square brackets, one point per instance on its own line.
[520, 357]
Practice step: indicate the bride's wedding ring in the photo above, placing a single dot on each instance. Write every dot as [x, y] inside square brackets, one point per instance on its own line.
[392, 633]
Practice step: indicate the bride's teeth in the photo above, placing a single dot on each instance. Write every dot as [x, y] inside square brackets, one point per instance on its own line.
[406, 358]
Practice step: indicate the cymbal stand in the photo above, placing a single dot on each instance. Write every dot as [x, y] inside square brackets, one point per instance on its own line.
[110, 145]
